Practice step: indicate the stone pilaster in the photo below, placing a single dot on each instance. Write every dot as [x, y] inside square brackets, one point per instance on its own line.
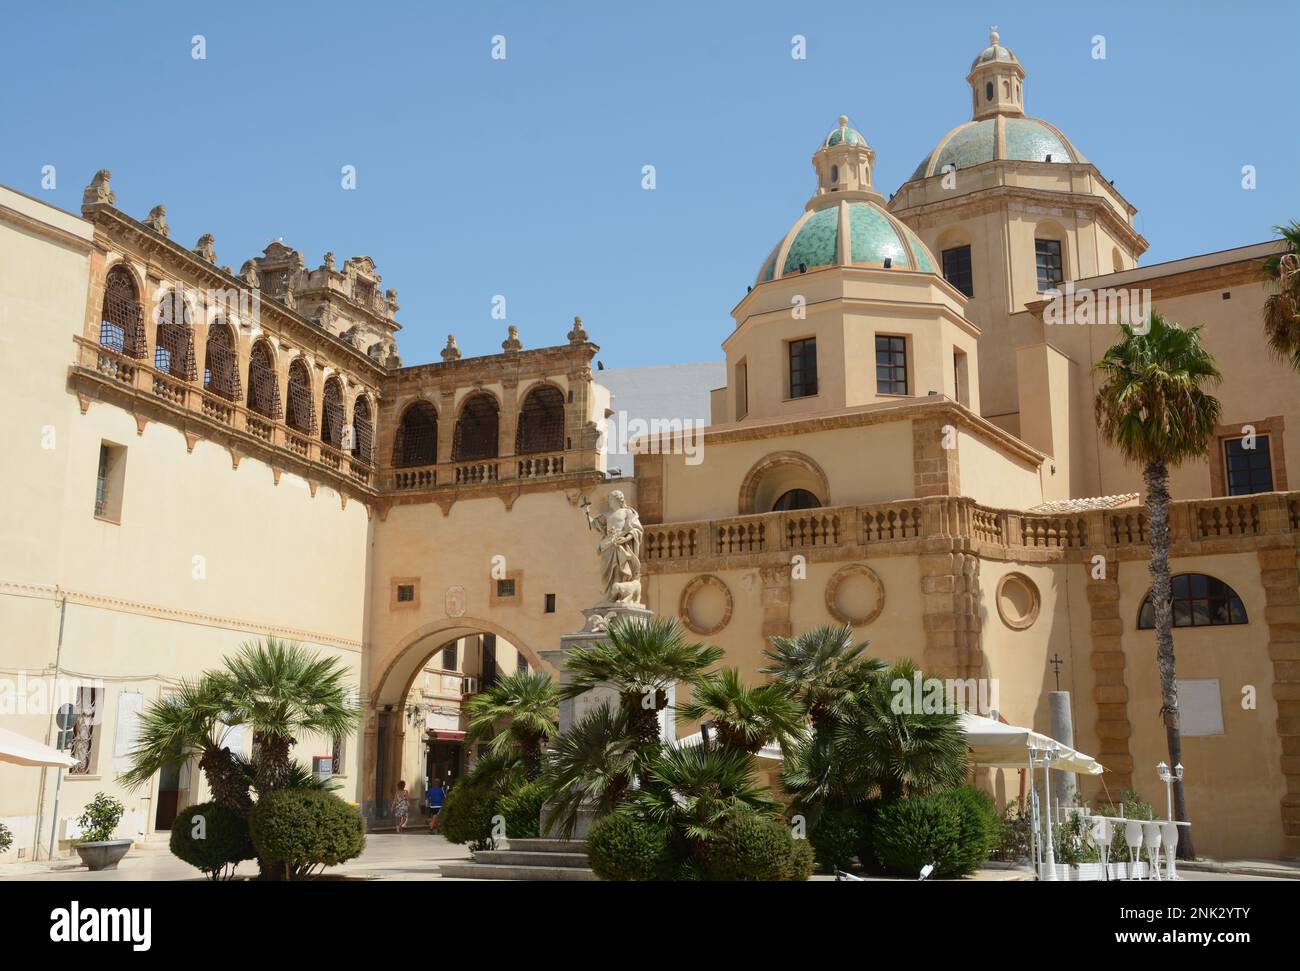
[935, 468]
[776, 602]
[1280, 579]
[950, 615]
[1109, 690]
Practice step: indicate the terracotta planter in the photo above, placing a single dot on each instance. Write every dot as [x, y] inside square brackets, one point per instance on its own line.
[102, 854]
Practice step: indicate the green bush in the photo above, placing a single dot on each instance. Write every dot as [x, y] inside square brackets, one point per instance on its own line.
[836, 837]
[210, 838]
[955, 830]
[467, 816]
[621, 846]
[750, 847]
[100, 818]
[6, 838]
[522, 809]
[300, 829]
[801, 862]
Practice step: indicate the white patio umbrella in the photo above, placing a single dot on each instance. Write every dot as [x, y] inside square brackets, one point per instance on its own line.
[1001, 746]
[21, 750]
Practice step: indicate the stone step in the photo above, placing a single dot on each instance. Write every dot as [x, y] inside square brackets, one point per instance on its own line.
[524, 858]
[549, 846]
[495, 871]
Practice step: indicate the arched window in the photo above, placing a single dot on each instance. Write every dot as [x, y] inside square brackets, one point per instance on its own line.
[416, 441]
[263, 384]
[363, 431]
[121, 322]
[173, 351]
[988, 91]
[796, 499]
[476, 430]
[299, 413]
[1198, 601]
[332, 416]
[220, 362]
[541, 422]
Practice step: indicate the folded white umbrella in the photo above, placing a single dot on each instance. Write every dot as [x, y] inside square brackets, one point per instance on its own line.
[1000, 746]
[21, 750]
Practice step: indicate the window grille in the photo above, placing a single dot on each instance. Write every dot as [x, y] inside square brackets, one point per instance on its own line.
[121, 327]
[416, 441]
[476, 430]
[299, 414]
[541, 422]
[263, 383]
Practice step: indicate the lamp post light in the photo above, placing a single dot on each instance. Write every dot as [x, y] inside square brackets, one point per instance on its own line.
[1044, 757]
[1168, 777]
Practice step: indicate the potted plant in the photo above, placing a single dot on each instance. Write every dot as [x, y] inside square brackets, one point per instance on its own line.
[97, 848]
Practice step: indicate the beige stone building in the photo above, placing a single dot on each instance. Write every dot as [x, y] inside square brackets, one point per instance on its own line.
[905, 443]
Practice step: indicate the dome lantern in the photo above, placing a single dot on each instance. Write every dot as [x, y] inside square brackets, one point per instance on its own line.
[843, 164]
[997, 81]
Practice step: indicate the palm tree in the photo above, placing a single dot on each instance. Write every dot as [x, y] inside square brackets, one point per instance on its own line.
[745, 718]
[281, 690]
[822, 668]
[642, 659]
[191, 722]
[529, 703]
[593, 765]
[1282, 309]
[1154, 408]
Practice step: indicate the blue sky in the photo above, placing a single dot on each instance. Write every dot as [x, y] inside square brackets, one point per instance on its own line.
[522, 177]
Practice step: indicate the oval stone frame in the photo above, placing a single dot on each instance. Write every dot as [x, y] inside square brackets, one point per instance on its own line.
[833, 590]
[1027, 621]
[688, 594]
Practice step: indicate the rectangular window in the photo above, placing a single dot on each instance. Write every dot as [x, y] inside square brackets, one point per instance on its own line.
[803, 367]
[891, 365]
[109, 479]
[505, 588]
[742, 390]
[405, 593]
[489, 669]
[550, 603]
[1047, 254]
[960, 377]
[956, 269]
[449, 657]
[1249, 470]
[521, 664]
[81, 736]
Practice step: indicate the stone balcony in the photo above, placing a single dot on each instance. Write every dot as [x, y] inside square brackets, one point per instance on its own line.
[953, 523]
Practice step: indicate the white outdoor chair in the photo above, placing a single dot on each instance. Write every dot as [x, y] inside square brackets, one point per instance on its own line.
[1133, 838]
[1102, 836]
[1169, 831]
[1151, 840]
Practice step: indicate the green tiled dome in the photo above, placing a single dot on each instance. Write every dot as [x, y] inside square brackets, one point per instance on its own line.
[843, 135]
[873, 236]
[1001, 137]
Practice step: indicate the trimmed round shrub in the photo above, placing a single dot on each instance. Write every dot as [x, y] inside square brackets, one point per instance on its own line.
[210, 837]
[522, 809]
[467, 816]
[802, 860]
[955, 830]
[750, 847]
[622, 847]
[300, 829]
[836, 837]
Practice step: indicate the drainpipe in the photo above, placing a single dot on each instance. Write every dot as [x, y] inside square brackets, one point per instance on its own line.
[40, 802]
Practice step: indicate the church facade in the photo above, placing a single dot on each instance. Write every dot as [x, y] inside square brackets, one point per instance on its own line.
[905, 443]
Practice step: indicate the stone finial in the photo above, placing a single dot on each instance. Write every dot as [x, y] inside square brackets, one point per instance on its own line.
[512, 344]
[451, 352]
[329, 262]
[98, 191]
[206, 248]
[579, 333]
[994, 39]
[248, 273]
[390, 298]
[157, 220]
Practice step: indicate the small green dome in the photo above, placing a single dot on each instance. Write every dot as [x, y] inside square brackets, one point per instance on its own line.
[994, 52]
[873, 236]
[843, 135]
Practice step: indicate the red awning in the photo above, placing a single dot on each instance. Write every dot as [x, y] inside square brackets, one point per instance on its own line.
[449, 736]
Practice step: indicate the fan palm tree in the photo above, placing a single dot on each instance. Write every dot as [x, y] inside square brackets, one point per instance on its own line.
[1282, 309]
[745, 718]
[642, 659]
[528, 702]
[822, 668]
[281, 690]
[692, 790]
[1155, 409]
[191, 722]
[593, 765]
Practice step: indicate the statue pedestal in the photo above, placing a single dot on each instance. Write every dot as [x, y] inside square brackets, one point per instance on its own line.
[573, 710]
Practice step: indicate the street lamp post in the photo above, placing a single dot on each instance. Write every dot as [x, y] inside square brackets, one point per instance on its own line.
[1044, 758]
[1167, 777]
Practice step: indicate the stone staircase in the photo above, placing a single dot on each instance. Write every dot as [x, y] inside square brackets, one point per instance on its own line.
[535, 859]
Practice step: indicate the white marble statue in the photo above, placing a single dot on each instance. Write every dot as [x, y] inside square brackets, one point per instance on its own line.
[619, 549]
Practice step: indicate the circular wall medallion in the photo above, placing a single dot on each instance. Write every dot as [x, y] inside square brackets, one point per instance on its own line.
[855, 595]
[1018, 601]
[706, 605]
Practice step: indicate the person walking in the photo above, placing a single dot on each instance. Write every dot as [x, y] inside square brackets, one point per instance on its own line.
[436, 795]
[401, 806]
